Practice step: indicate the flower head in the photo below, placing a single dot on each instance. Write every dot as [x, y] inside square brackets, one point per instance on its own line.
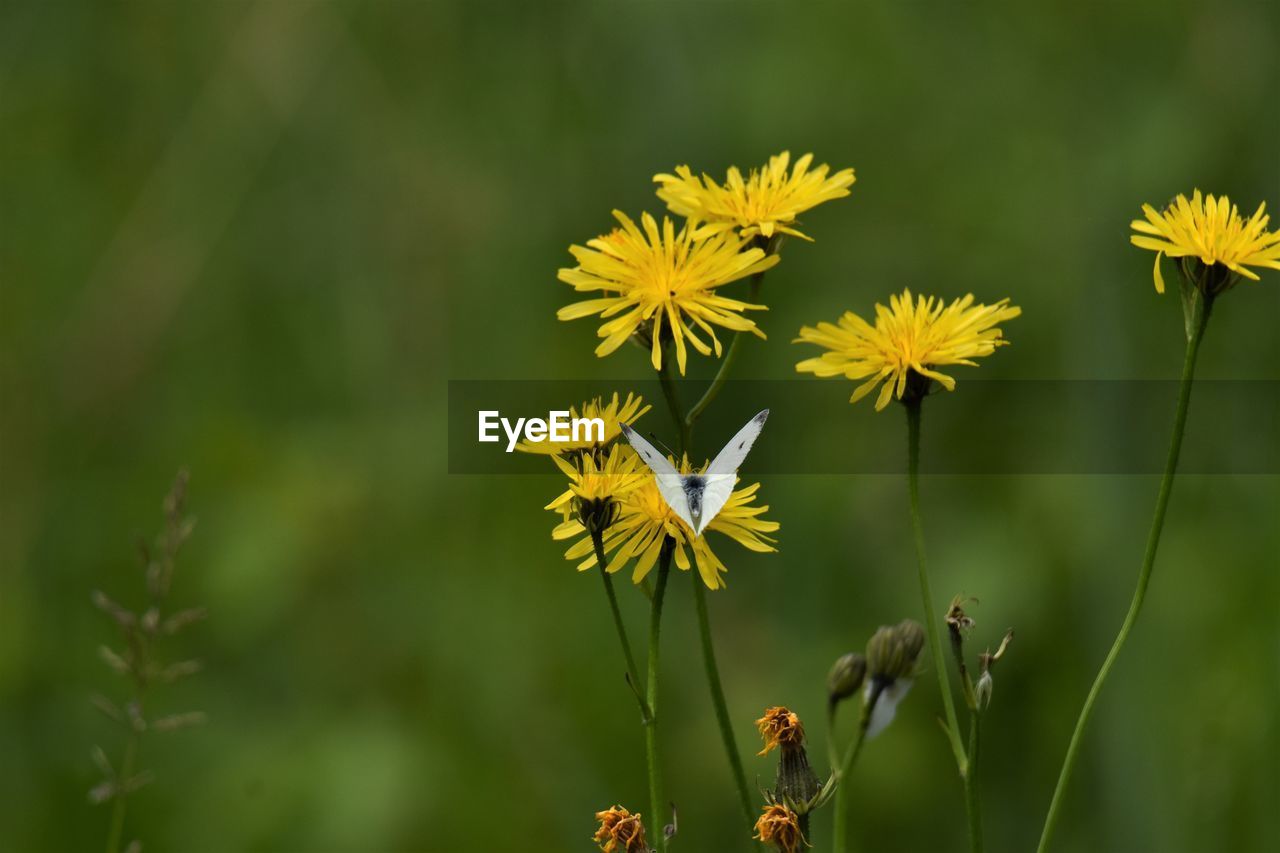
[613, 414]
[644, 522]
[764, 204]
[910, 336]
[662, 283]
[596, 487]
[780, 727]
[620, 831]
[1212, 230]
[780, 826]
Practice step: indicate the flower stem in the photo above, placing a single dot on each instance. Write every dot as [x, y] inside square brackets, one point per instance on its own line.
[972, 805]
[1198, 319]
[633, 674]
[840, 815]
[673, 405]
[930, 617]
[717, 699]
[726, 364]
[657, 806]
[704, 620]
[118, 807]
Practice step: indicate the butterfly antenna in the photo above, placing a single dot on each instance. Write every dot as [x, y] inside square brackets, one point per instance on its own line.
[663, 445]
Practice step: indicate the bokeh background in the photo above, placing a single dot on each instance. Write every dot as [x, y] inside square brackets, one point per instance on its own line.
[256, 239]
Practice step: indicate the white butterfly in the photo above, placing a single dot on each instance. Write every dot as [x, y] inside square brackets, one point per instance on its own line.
[698, 498]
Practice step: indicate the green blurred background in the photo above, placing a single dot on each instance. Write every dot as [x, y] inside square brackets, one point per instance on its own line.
[256, 239]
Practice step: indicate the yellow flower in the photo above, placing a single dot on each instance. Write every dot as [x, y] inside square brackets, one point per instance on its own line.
[910, 335]
[780, 826]
[767, 202]
[653, 277]
[595, 487]
[620, 830]
[614, 414]
[644, 521]
[780, 727]
[1210, 229]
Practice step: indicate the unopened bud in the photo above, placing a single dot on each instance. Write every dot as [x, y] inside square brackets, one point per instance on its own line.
[983, 690]
[845, 677]
[892, 652]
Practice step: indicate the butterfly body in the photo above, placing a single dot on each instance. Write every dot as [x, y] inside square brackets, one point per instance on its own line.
[698, 498]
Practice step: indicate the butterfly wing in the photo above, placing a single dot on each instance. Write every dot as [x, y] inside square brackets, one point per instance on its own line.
[670, 483]
[729, 459]
[715, 494]
[722, 474]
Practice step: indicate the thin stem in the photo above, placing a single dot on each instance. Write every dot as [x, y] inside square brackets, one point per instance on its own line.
[122, 779]
[972, 806]
[930, 617]
[1198, 320]
[726, 364]
[673, 405]
[840, 816]
[657, 807]
[717, 699]
[633, 673]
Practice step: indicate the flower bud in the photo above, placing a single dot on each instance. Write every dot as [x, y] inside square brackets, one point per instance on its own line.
[845, 677]
[892, 652]
[983, 690]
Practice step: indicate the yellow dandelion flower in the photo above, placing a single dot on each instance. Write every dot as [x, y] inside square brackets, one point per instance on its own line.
[614, 414]
[663, 284]
[764, 204]
[644, 520]
[1210, 229]
[780, 727]
[595, 487]
[910, 335]
[620, 831]
[780, 826]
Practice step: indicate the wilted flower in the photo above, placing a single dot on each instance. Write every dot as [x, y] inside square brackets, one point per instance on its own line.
[780, 826]
[779, 727]
[796, 783]
[910, 337]
[764, 204]
[620, 831]
[654, 277]
[1212, 231]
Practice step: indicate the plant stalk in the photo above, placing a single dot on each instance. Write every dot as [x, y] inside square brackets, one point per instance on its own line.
[726, 364]
[840, 816]
[116, 830]
[930, 616]
[717, 699]
[657, 807]
[1198, 318]
[633, 673]
[972, 804]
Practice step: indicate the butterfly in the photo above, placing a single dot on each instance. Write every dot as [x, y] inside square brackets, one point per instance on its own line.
[698, 498]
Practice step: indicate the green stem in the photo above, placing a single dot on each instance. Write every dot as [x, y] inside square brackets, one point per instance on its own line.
[930, 617]
[840, 816]
[657, 807]
[717, 699]
[972, 806]
[118, 808]
[673, 405]
[726, 364]
[633, 673]
[1199, 318]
